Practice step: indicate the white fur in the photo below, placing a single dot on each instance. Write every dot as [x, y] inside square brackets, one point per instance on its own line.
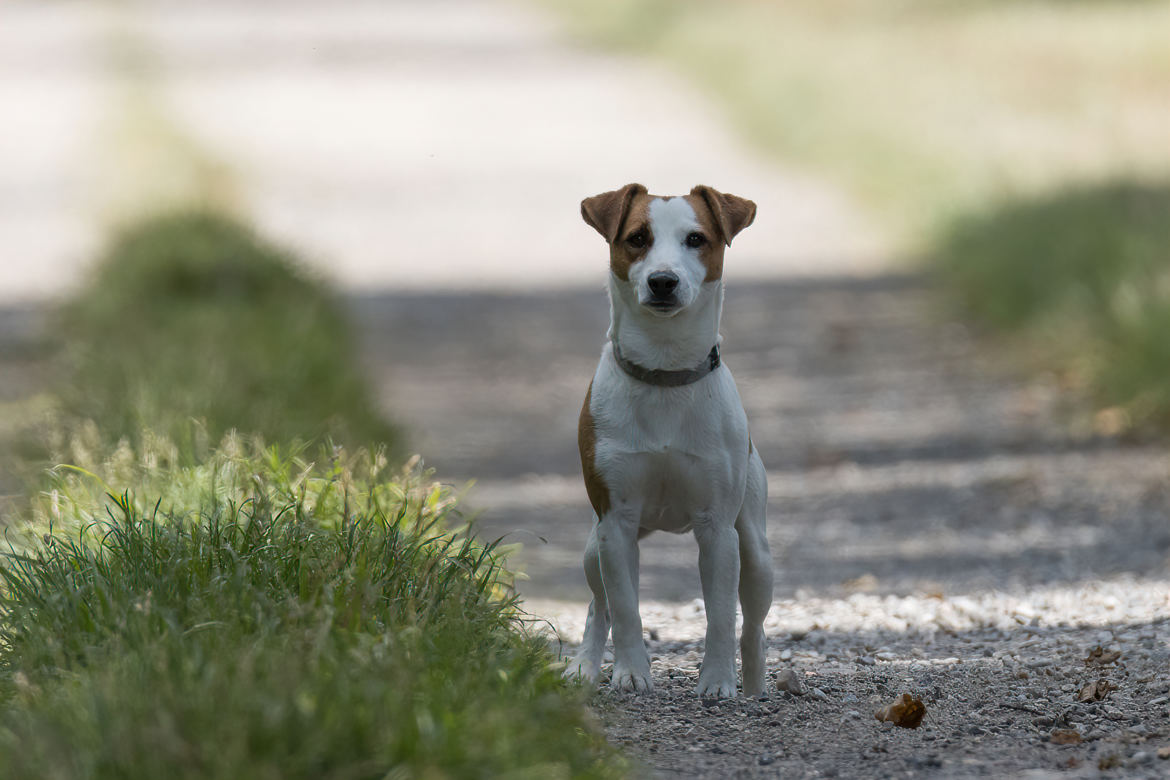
[674, 459]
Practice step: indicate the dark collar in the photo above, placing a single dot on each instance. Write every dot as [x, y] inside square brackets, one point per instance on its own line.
[664, 378]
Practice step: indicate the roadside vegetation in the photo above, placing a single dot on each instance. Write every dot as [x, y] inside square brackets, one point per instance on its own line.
[192, 316]
[1018, 147]
[262, 615]
[1084, 276]
[211, 584]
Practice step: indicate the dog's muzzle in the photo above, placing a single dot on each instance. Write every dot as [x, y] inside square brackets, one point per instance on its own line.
[662, 286]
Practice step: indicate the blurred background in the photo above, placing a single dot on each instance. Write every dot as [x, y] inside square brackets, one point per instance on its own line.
[360, 219]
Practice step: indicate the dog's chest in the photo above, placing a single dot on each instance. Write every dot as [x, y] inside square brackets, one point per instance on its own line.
[676, 454]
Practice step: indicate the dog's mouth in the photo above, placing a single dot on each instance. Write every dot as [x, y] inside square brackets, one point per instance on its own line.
[663, 308]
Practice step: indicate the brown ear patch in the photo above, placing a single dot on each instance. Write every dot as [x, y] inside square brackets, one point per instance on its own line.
[731, 213]
[606, 213]
[587, 444]
[621, 254]
[711, 255]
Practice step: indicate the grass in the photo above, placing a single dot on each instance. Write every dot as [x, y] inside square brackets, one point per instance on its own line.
[924, 109]
[192, 316]
[1085, 274]
[267, 617]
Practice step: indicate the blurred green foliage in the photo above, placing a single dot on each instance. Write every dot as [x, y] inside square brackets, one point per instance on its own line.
[923, 109]
[264, 616]
[1085, 272]
[192, 316]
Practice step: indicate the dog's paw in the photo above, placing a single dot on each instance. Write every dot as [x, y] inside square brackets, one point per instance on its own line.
[714, 686]
[584, 669]
[626, 679]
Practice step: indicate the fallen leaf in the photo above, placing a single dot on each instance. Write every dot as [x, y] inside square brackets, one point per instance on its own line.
[1111, 421]
[906, 712]
[1099, 656]
[1066, 737]
[1111, 761]
[1096, 691]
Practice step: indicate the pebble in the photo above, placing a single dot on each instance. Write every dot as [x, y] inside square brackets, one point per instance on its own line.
[787, 681]
[817, 693]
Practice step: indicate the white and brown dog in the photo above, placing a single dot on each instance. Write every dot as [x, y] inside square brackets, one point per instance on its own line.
[664, 437]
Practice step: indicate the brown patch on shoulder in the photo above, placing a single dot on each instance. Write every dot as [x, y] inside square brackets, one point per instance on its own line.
[587, 444]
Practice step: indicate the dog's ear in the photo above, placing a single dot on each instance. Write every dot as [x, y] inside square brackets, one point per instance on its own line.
[732, 213]
[606, 212]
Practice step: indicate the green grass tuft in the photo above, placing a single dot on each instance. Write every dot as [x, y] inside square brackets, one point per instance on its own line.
[273, 618]
[192, 316]
[1086, 273]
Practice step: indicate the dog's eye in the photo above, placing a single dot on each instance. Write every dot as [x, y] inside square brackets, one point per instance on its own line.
[695, 240]
[637, 240]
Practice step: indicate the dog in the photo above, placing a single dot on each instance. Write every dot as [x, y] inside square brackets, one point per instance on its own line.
[664, 437]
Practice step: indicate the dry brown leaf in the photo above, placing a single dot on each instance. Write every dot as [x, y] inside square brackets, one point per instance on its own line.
[905, 711]
[1096, 691]
[1099, 656]
[1111, 761]
[1066, 737]
[1111, 421]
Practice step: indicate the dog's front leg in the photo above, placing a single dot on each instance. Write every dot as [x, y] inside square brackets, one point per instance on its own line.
[617, 537]
[719, 572]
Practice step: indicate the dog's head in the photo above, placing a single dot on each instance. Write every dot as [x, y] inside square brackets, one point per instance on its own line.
[667, 248]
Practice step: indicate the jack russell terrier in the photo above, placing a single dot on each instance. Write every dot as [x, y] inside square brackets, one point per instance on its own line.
[664, 437]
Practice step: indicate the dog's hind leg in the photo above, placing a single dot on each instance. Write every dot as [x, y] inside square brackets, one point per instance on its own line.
[587, 664]
[755, 575]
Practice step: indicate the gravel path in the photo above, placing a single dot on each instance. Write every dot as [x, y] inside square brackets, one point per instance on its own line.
[939, 529]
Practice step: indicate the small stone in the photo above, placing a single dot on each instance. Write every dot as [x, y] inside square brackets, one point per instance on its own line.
[1141, 757]
[865, 660]
[767, 759]
[1164, 753]
[787, 681]
[854, 714]
[1159, 700]
[817, 693]
[786, 654]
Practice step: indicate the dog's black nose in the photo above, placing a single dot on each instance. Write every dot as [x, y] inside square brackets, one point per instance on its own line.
[662, 284]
